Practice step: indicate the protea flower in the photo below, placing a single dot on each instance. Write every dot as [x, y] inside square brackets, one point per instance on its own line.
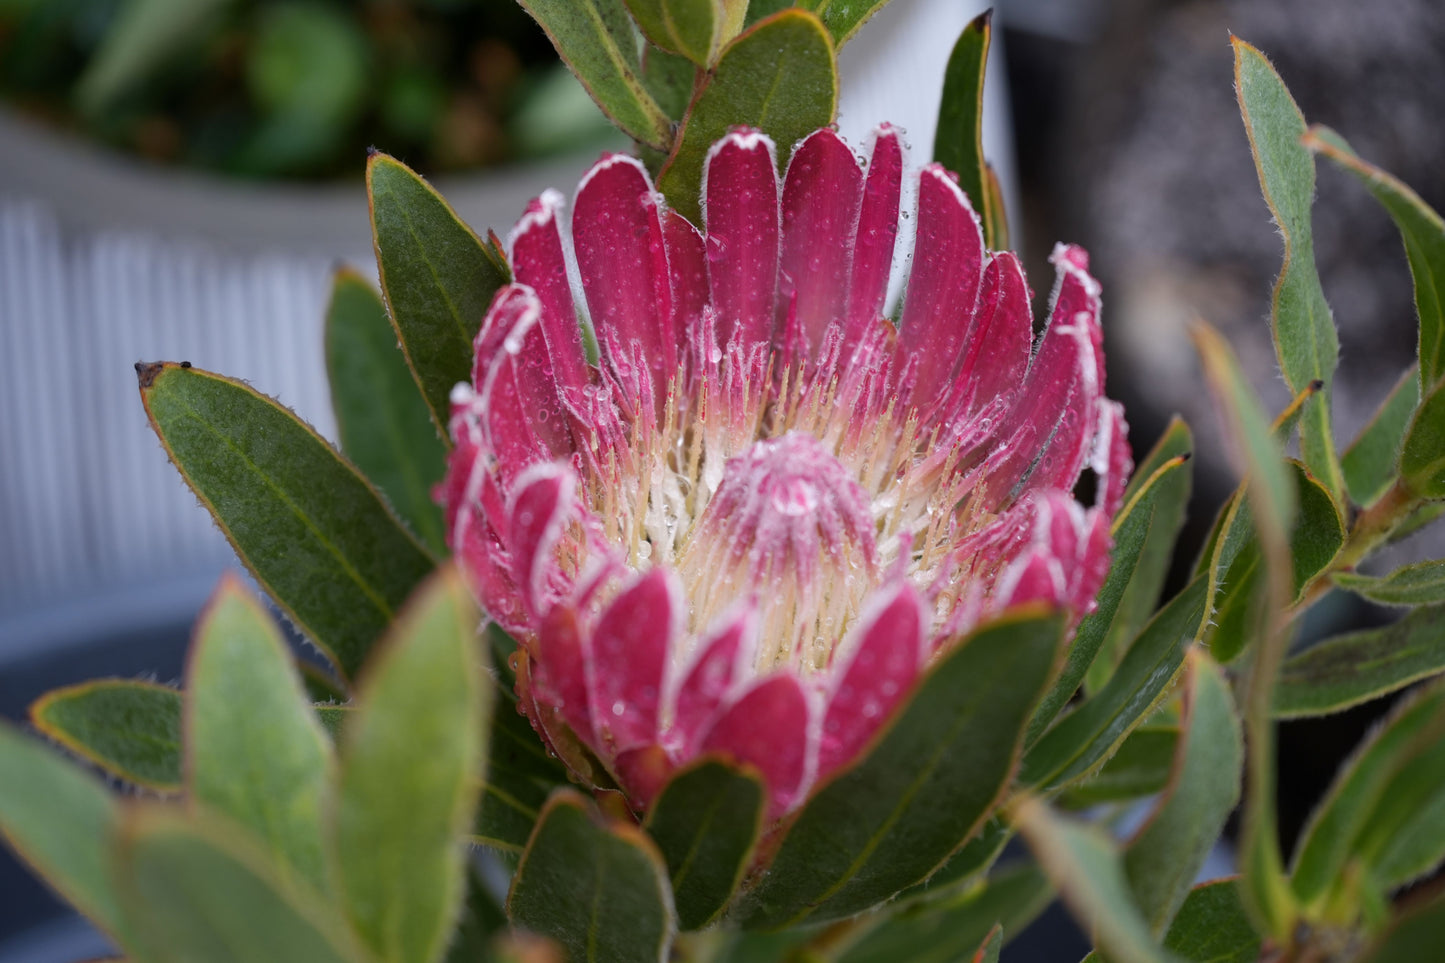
[747, 527]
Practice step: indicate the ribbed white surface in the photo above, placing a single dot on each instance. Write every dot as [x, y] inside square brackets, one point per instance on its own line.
[87, 497]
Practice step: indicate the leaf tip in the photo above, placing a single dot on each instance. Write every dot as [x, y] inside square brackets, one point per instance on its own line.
[147, 371]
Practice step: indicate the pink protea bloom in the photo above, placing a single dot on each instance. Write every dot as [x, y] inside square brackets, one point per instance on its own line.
[751, 525]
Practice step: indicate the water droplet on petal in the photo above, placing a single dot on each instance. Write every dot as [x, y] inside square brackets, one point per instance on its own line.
[619, 707]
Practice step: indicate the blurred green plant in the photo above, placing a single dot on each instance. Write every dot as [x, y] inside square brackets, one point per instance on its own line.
[297, 88]
[288, 829]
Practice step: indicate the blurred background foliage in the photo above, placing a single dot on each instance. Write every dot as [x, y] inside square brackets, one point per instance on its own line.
[297, 88]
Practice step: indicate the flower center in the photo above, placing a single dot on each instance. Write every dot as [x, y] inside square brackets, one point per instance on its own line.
[790, 530]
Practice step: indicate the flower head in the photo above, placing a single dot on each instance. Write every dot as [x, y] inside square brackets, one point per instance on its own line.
[747, 527]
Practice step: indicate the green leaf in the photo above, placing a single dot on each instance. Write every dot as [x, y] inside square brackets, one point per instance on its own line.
[1423, 233]
[599, 890]
[255, 751]
[410, 770]
[688, 27]
[670, 78]
[1350, 669]
[1257, 452]
[438, 278]
[779, 76]
[1372, 463]
[382, 420]
[931, 779]
[193, 891]
[1144, 532]
[958, 144]
[705, 823]
[1304, 332]
[1420, 584]
[1422, 457]
[1384, 809]
[129, 728]
[60, 819]
[596, 40]
[1317, 538]
[1086, 868]
[1163, 858]
[520, 776]
[1140, 768]
[310, 528]
[1212, 927]
[946, 932]
[972, 859]
[991, 946]
[1084, 738]
[843, 18]
[1414, 935]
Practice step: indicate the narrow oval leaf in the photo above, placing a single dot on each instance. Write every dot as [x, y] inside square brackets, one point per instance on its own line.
[1415, 934]
[1140, 768]
[520, 777]
[991, 946]
[1317, 537]
[1163, 858]
[778, 76]
[1402, 761]
[1086, 868]
[193, 891]
[382, 420]
[1350, 669]
[958, 143]
[437, 275]
[310, 528]
[1420, 584]
[595, 38]
[971, 860]
[1084, 738]
[130, 728]
[1422, 457]
[1423, 233]
[60, 820]
[843, 19]
[255, 751]
[946, 932]
[1213, 927]
[410, 770]
[1372, 463]
[706, 823]
[688, 27]
[930, 780]
[1144, 534]
[1304, 331]
[599, 890]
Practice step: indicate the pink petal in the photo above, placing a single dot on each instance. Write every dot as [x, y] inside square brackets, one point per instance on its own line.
[687, 274]
[710, 679]
[877, 234]
[888, 649]
[542, 504]
[622, 259]
[822, 193]
[630, 647]
[768, 729]
[740, 193]
[538, 262]
[559, 677]
[943, 287]
[1092, 565]
[643, 772]
[513, 384]
[997, 354]
[1036, 577]
[1076, 298]
[1112, 461]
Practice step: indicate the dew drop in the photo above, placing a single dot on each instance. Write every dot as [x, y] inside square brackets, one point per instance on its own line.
[619, 707]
